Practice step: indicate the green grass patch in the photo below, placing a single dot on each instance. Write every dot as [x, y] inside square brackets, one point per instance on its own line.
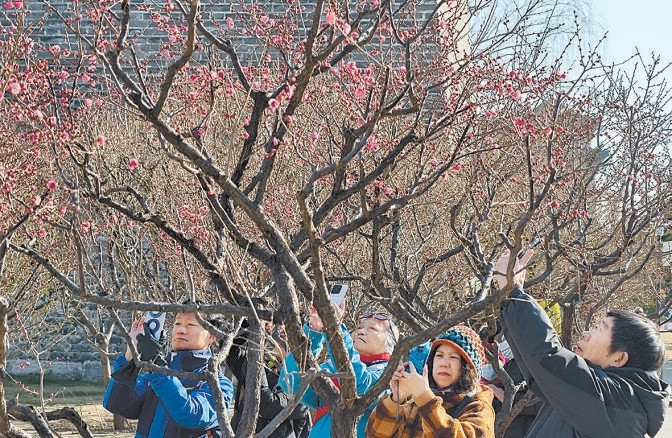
[56, 390]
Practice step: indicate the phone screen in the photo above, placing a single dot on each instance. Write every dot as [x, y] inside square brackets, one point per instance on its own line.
[337, 293]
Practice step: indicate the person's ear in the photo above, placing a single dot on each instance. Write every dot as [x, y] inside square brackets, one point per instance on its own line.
[619, 359]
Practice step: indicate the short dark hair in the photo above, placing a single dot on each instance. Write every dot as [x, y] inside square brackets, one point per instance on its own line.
[639, 337]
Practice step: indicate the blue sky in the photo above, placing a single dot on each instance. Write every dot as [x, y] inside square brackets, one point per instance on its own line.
[644, 24]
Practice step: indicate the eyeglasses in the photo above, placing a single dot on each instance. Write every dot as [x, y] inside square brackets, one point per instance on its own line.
[378, 315]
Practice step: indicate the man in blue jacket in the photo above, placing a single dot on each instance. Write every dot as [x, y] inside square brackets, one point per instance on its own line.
[607, 387]
[369, 349]
[167, 406]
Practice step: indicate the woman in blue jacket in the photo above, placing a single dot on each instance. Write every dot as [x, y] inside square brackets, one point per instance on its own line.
[168, 406]
[369, 349]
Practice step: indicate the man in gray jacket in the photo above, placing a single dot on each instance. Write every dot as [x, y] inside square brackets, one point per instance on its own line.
[608, 386]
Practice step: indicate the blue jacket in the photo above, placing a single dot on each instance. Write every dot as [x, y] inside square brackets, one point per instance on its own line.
[365, 376]
[167, 406]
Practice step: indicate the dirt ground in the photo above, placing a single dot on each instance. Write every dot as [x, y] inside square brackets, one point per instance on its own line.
[98, 419]
[100, 422]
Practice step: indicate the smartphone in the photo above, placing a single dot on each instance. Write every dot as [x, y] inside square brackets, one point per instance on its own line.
[154, 321]
[536, 241]
[418, 356]
[337, 294]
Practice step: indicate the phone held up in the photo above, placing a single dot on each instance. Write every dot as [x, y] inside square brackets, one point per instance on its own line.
[154, 322]
[533, 244]
[337, 294]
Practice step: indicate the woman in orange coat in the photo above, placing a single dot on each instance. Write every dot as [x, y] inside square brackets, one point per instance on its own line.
[445, 400]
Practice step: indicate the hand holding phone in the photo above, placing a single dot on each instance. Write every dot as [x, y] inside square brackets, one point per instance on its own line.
[154, 322]
[533, 244]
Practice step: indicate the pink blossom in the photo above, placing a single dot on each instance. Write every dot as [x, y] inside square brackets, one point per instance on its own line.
[133, 163]
[14, 88]
[101, 140]
[52, 185]
[372, 144]
[434, 162]
[456, 168]
[331, 18]
[555, 204]
[548, 131]
[273, 104]
[86, 226]
[519, 122]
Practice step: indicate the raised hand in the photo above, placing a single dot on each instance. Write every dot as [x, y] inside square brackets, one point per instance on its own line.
[499, 275]
[137, 328]
[151, 349]
[398, 395]
[412, 383]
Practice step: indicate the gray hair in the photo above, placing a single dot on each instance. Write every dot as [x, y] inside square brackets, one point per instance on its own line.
[391, 336]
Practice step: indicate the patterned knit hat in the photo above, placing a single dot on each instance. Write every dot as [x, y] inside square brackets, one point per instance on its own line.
[467, 343]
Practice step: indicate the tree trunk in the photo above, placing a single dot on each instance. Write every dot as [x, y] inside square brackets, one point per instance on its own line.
[343, 423]
[118, 422]
[30, 414]
[6, 428]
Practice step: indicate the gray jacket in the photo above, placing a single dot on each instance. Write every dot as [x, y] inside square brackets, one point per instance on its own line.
[580, 399]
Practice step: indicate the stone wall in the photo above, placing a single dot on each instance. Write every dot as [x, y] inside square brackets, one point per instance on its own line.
[48, 27]
[86, 370]
[63, 350]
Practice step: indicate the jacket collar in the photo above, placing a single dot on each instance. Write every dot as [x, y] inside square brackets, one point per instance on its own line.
[190, 360]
